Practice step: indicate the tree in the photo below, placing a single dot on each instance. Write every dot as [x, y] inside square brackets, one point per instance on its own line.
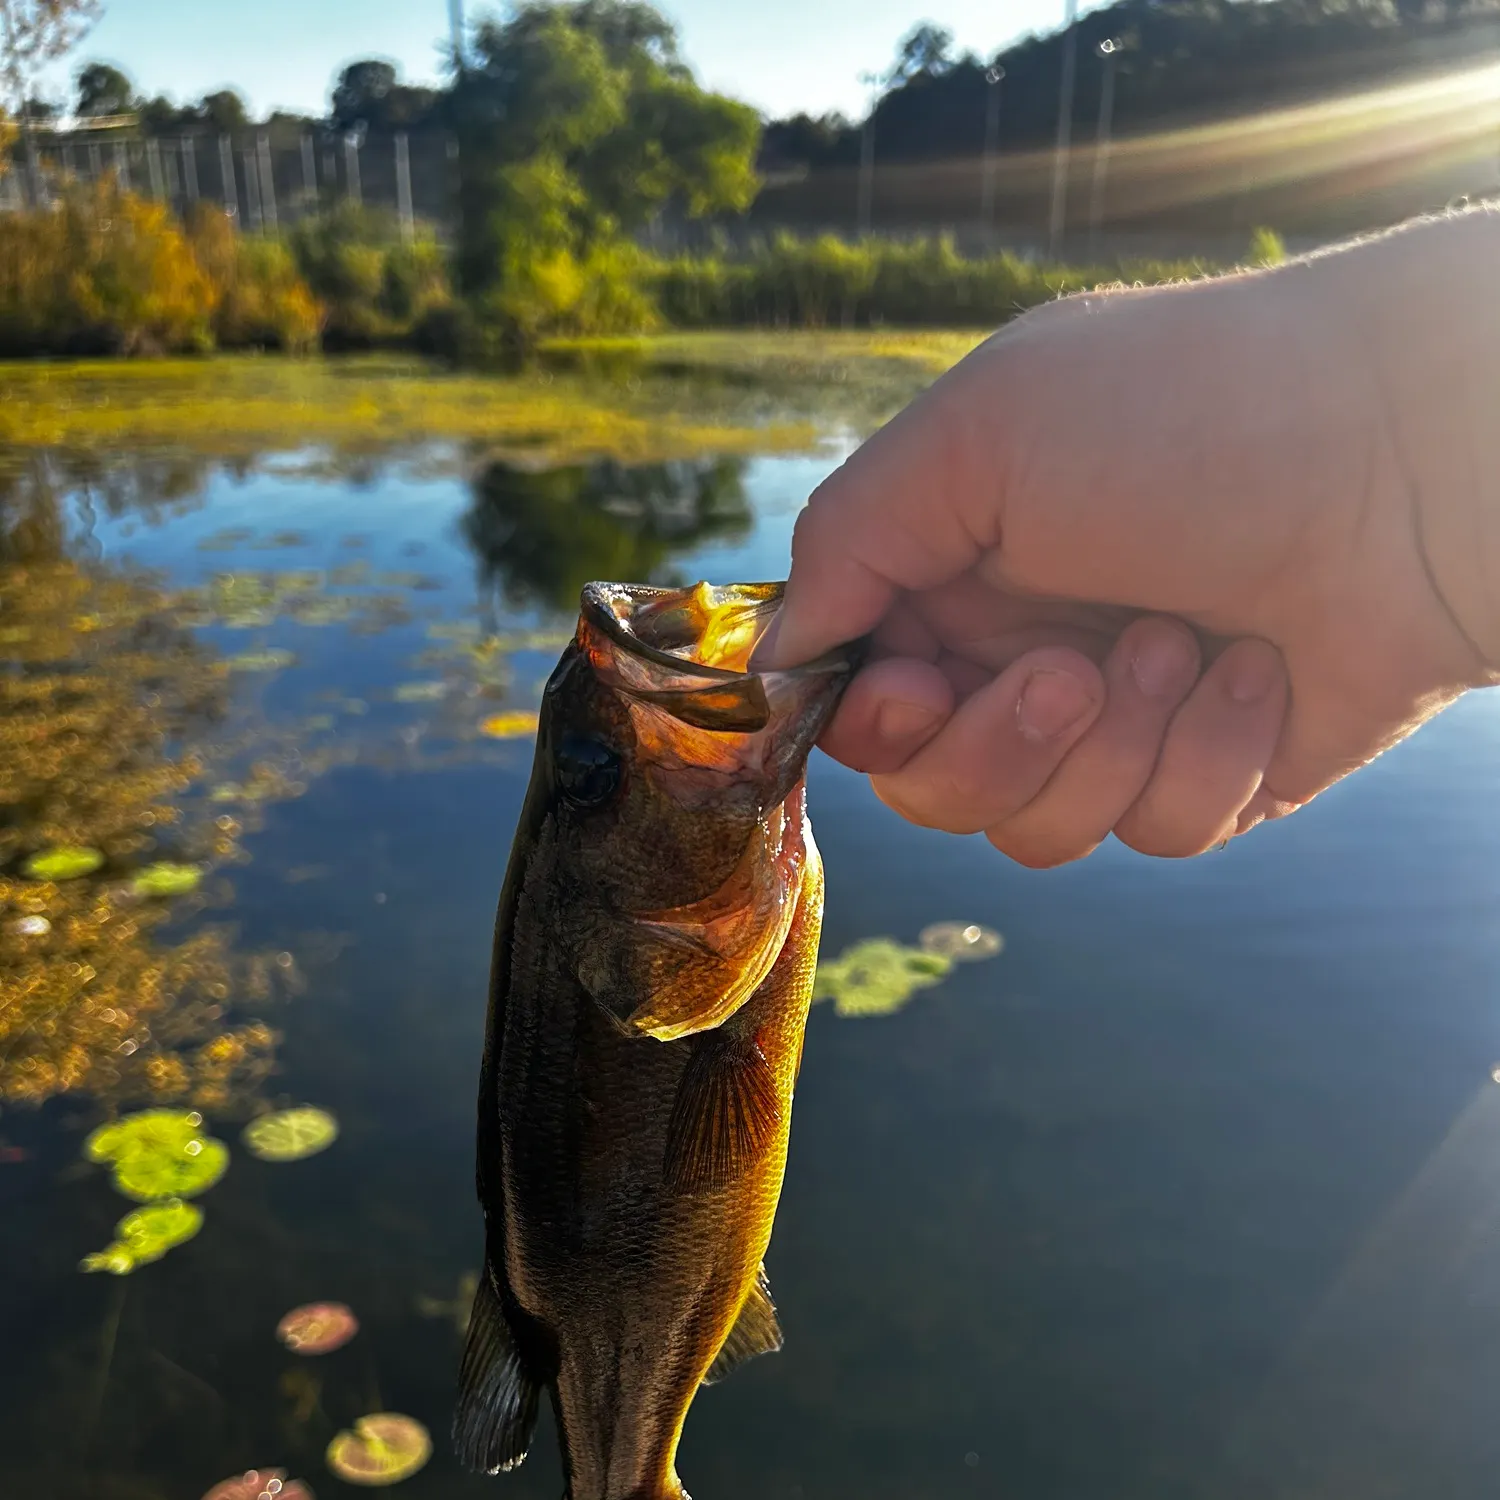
[224, 110]
[576, 124]
[103, 90]
[925, 49]
[370, 93]
[36, 32]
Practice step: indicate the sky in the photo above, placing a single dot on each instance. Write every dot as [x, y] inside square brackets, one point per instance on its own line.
[780, 55]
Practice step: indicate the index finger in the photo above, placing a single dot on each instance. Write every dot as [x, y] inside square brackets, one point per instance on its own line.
[913, 507]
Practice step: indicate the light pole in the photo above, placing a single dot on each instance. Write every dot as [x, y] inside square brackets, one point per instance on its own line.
[1109, 50]
[872, 82]
[993, 78]
[1064, 129]
[456, 27]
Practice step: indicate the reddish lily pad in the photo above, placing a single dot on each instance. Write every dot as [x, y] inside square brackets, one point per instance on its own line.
[260, 1484]
[317, 1328]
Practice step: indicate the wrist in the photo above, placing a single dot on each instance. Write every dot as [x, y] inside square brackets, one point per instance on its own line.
[1420, 307]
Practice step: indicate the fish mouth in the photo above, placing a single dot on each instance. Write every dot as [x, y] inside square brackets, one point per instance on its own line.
[688, 651]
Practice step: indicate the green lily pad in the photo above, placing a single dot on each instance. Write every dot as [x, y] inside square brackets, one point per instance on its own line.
[877, 977]
[63, 862]
[419, 692]
[165, 878]
[290, 1134]
[159, 1153]
[146, 1235]
[384, 1448]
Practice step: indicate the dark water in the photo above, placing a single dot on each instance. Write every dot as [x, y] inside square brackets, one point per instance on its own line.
[1193, 1192]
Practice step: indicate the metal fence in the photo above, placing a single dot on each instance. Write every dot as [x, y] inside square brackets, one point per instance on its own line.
[265, 178]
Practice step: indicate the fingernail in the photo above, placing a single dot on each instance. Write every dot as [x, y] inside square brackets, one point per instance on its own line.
[903, 721]
[1162, 662]
[1254, 673]
[1051, 702]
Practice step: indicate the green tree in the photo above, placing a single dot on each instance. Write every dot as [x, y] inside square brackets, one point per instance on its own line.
[103, 90]
[34, 33]
[576, 124]
[924, 49]
[224, 110]
[370, 93]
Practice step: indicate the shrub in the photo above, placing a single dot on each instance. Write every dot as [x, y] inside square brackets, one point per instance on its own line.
[263, 301]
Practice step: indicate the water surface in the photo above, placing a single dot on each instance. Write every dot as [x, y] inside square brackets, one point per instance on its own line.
[1190, 1193]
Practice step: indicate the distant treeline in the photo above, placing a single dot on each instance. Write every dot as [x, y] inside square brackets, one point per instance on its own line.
[105, 271]
[1174, 60]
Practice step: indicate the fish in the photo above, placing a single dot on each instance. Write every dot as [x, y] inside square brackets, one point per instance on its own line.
[653, 964]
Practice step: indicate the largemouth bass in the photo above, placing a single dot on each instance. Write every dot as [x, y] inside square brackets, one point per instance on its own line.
[653, 965]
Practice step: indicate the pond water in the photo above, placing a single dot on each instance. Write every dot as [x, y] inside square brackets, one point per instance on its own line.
[1192, 1191]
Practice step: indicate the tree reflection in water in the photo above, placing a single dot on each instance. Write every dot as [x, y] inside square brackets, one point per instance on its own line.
[541, 534]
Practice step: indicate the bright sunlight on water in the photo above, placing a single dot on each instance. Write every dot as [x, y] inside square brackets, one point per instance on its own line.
[1188, 1193]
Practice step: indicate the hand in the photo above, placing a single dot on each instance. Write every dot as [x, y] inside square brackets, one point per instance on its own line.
[1148, 562]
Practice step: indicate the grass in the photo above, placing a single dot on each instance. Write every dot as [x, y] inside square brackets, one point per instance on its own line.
[636, 405]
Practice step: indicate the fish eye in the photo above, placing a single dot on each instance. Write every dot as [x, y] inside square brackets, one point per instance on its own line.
[586, 771]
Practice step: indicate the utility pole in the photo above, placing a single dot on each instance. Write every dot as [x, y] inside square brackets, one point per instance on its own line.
[1110, 51]
[1059, 214]
[993, 78]
[456, 26]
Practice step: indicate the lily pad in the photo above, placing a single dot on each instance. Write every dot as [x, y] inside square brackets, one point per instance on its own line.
[877, 977]
[260, 1484]
[290, 1134]
[165, 878]
[419, 692]
[509, 726]
[317, 1328]
[63, 862]
[146, 1235]
[963, 942]
[159, 1153]
[383, 1448]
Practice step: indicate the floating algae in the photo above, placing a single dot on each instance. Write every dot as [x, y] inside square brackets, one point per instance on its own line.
[166, 878]
[146, 1235]
[516, 724]
[63, 862]
[159, 1153]
[877, 977]
[963, 942]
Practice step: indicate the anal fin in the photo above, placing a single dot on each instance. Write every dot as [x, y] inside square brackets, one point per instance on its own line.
[725, 1114]
[497, 1393]
[757, 1331]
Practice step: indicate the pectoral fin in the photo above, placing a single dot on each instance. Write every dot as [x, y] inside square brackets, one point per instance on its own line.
[497, 1393]
[757, 1331]
[725, 1115]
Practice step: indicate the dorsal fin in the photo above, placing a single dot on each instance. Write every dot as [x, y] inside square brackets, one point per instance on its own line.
[497, 1392]
[757, 1331]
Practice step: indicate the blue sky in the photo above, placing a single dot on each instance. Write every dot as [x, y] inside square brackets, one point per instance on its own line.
[781, 55]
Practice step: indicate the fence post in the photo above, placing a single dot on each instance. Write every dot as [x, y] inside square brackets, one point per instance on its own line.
[351, 169]
[189, 147]
[153, 168]
[229, 194]
[309, 168]
[96, 161]
[252, 191]
[122, 163]
[403, 187]
[267, 183]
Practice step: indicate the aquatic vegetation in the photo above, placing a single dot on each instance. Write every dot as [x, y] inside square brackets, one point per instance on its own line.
[290, 1134]
[419, 692]
[165, 878]
[159, 1153]
[260, 1484]
[100, 682]
[145, 1236]
[382, 1449]
[516, 724]
[317, 1328]
[963, 942]
[877, 977]
[63, 862]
